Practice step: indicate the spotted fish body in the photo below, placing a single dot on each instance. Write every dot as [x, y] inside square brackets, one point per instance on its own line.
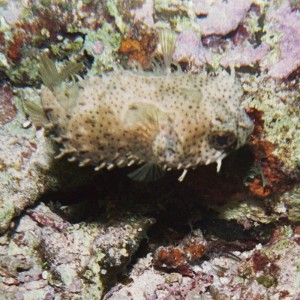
[168, 120]
[160, 120]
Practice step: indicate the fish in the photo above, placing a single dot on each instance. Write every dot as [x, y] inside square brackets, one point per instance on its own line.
[157, 120]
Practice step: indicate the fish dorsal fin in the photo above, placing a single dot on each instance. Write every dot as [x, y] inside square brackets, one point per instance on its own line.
[50, 75]
[146, 116]
[147, 173]
[167, 40]
[71, 68]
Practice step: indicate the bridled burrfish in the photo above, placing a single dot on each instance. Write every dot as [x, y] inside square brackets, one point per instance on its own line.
[158, 120]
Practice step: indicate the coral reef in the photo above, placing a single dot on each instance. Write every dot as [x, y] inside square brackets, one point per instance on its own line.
[72, 260]
[213, 19]
[179, 258]
[275, 140]
[27, 168]
[282, 35]
[263, 34]
[68, 233]
[268, 271]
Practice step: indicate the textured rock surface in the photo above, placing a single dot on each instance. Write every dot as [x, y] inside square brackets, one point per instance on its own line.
[264, 34]
[47, 257]
[267, 272]
[27, 164]
[24, 154]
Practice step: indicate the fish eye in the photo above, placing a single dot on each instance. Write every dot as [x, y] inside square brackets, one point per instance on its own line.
[222, 140]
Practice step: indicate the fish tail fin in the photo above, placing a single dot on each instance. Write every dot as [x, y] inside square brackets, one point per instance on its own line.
[50, 75]
[36, 113]
[48, 72]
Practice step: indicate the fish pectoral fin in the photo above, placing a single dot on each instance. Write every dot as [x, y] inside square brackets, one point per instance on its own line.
[146, 117]
[148, 172]
[139, 112]
[191, 93]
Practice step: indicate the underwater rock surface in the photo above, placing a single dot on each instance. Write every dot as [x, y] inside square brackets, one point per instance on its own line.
[69, 233]
[261, 274]
[24, 153]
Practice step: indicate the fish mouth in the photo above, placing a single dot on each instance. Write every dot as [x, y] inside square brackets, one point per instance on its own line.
[216, 158]
[219, 161]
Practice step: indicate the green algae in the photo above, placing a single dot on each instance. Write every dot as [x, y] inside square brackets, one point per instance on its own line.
[266, 280]
[109, 40]
[251, 209]
[281, 206]
[281, 117]
[178, 17]
[280, 242]
[7, 212]
[114, 12]
[292, 203]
